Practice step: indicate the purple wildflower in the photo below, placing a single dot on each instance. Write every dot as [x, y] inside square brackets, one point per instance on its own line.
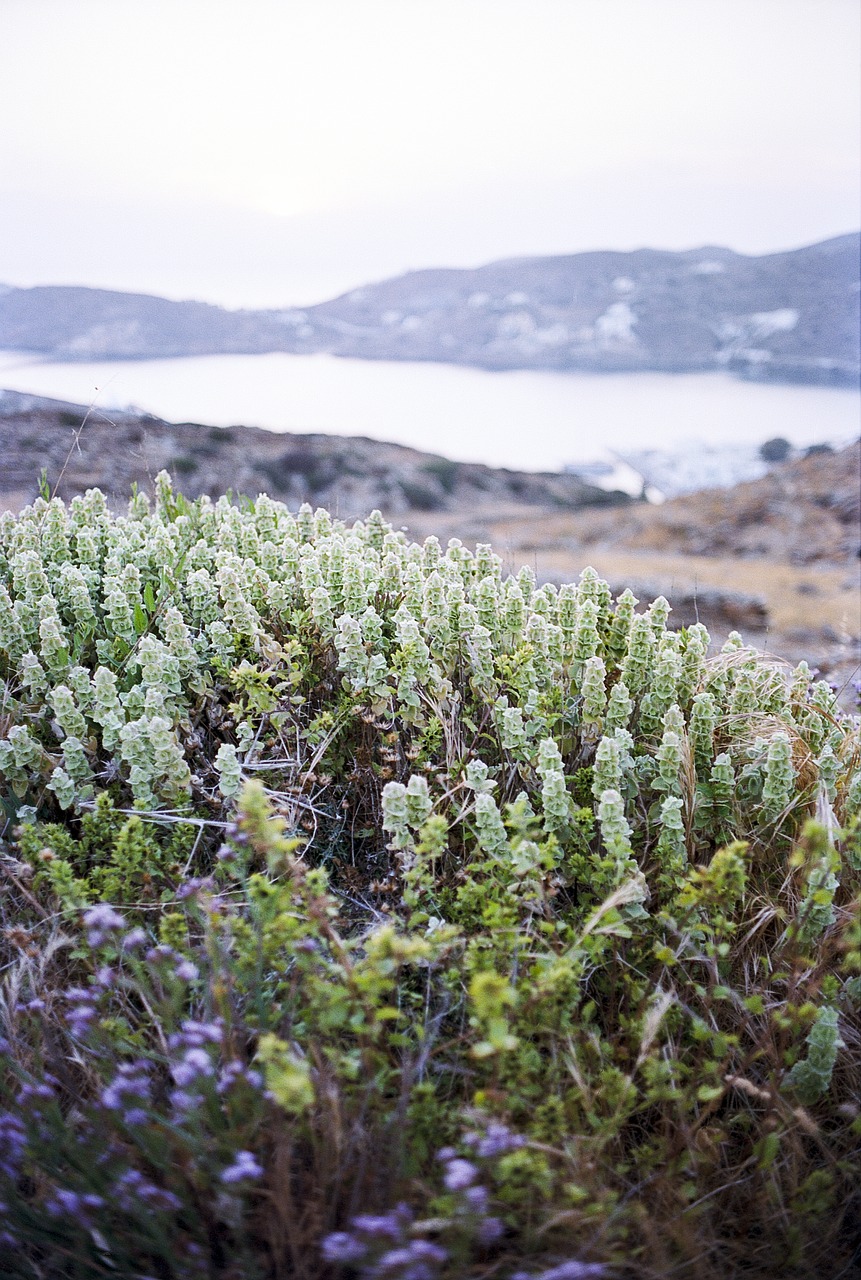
[130, 1085]
[497, 1140]
[381, 1226]
[193, 1034]
[28, 1092]
[234, 1072]
[476, 1199]
[13, 1144]
[341, 1246]
[161, 955]
[102, 921]
[81, 1014]
[190, 889]
[187, 971]
[183, 1101]
[72, 1203]
[418, 1260]
[244, 1166]
[35, 1005]
[196, 1063]
[132, 1188]
[133, 939]
[489, 1230]
[459, 1174]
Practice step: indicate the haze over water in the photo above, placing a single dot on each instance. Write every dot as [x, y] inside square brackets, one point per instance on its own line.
[521, 419]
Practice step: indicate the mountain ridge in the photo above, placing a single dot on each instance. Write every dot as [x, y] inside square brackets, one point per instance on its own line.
[789, 316]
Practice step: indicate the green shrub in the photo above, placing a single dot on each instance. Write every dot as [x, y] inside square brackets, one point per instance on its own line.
[516, 873]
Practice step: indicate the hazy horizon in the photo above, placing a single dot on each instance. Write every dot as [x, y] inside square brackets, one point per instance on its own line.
[262, 154]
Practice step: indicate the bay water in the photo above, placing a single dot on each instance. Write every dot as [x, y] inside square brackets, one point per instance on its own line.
[526, 420]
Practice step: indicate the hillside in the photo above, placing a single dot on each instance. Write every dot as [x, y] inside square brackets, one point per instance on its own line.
[351, 475]
[786, 316]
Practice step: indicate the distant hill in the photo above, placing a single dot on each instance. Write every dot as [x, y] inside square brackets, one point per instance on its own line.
[786, 316]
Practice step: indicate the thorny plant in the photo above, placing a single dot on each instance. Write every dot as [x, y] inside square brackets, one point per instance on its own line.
[512, 861]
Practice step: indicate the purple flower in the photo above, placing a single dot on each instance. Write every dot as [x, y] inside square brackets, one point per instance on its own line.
[233, 1072]
[106, 977]
[193, 1034]
[161, 954]
[459, 1174]
[186, 970]
[130, 1085]
[200, 884]
[132, 1187]
[135, 1116]
[380, 1226]
[29, 1091]
[340, 1246]
[72, 1203]
[184, 1101]
[419, 1260]
[195, 1064]
[497, 1140]
[244, 1166]
[489, 1230]
[476, 1199]
[80, 1016]
[33, 1006]
[133, 939]
[102, 921]
[13, 1144]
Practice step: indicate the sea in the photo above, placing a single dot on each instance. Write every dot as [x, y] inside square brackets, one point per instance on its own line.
[525, 420]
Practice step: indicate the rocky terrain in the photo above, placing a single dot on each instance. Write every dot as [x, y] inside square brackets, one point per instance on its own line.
[785, 316]
[81, 448]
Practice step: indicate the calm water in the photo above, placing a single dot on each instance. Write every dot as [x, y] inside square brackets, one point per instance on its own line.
[530, 421]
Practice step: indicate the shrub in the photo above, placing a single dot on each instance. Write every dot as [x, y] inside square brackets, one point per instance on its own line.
[776, 450]
[371, 913]
[184, 464]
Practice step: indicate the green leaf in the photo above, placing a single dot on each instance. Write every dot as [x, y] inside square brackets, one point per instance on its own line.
[766, 1150]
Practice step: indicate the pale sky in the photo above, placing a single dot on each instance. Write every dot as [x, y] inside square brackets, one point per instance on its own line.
[269, 152]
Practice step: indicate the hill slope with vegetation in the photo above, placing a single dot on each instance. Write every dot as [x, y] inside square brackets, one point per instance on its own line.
[373, 913]
[80, 448]
[784, 316]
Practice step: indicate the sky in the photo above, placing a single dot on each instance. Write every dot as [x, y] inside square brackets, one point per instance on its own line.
[278, 152]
